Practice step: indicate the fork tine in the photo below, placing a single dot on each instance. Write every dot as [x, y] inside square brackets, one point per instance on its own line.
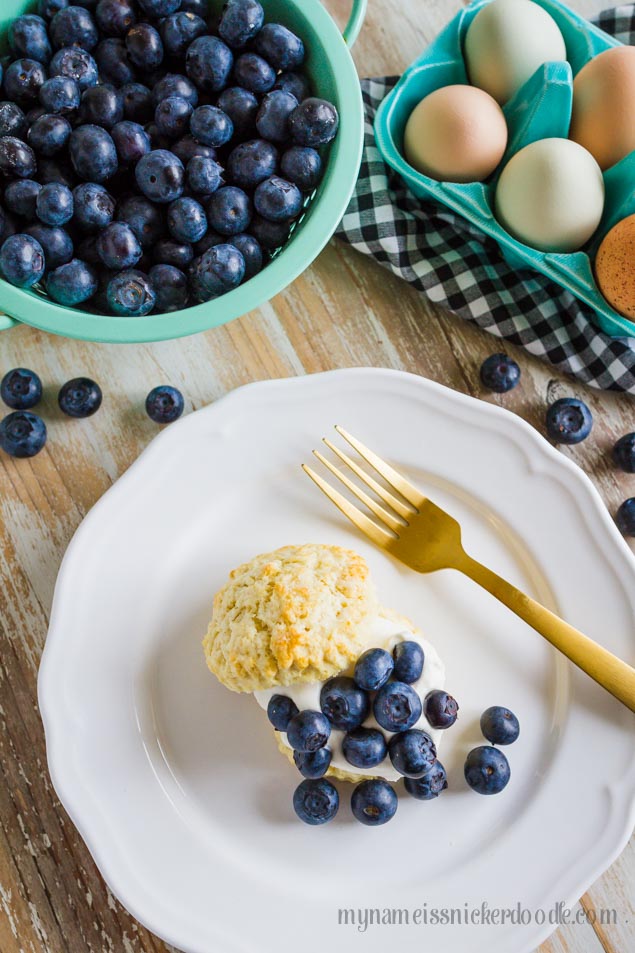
[404, 511]
[378, 535]
[395, 479]
[376, 508]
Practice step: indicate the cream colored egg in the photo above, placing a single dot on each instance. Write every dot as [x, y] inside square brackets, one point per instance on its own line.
[456, 134]
[603, 119]
[506, 43]
[550, 195]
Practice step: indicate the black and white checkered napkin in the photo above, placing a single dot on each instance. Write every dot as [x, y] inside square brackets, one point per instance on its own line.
[454, 264]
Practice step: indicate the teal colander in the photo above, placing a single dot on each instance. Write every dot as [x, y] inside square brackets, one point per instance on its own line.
[330, 67]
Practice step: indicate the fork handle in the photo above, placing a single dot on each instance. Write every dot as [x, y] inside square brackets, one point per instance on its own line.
[616, 676]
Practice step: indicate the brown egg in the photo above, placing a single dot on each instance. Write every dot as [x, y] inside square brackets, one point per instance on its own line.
[614, 270]
[603, 119]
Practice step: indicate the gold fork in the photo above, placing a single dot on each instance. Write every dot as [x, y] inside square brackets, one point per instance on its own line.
[423, 536]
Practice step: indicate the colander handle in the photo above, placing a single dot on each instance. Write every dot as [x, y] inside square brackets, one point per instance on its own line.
[354, 25]
[6, 322]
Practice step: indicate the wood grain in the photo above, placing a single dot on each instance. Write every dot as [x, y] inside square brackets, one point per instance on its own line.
[344, 311]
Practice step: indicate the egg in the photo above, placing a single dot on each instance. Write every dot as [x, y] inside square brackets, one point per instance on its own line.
[603, 118]
[456, 134]
[507, 41]
[550, 195]
[614, 270]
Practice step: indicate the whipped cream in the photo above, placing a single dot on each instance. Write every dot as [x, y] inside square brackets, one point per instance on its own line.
[383, 634]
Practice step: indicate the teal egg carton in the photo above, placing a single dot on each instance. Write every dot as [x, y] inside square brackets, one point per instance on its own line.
[540, 109]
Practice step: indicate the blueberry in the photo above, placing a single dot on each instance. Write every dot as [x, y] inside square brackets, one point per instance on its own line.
[623, 451]
[60, 95]
[364, 747]
[22, 260]
[16, 158]
[212, 238]
[35, 113]
[168, 252]
[80, 397]
[409, 658]
[344, 704]
[440, 709]
[240, 21]
[374, 802]
[130, 294]
[28, 37]
[499, 725]
[145, 219]
[172, 117]
[54, 204]
[21, 389]
[73, 283]
[486, 770]
[160, 176]
[115, 17]
[302, 166]
[23, 80]
[270, 235]
[294, 83]
[316, 801]
[499, 373]
[253, 73]
[208, 63]
[118, 246]
[229, 210]
[56, 169]
[397, 706]
[280, 710]
[77, 64]
[251, 251]
[204, 175]
[252, 162]
[186, 220]
[20, 197]
[131, 141]
[272, 120]
[93, 153]
[22, 434]
[569, 421]
[189, 148]
[101, 105]
[373, 669]
[137, 102]
[280, 47]
[429, 785]
[113, 60]
[308, 730]
[170, 287]
[12, 120]
[211, 126]
[313, 764]
[93, 205]
[412, 752]
[180, 29]
[221, 268]
[159, 8]
[164, 404]
[174, 84]
[144, 46]
[48, 8]
[241, 106]
[56, 243]
[314, 122]
[198, 7]
[278, 200]
[625, 517]
[73, 26]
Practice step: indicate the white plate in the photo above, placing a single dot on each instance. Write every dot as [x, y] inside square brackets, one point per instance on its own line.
[175, 783]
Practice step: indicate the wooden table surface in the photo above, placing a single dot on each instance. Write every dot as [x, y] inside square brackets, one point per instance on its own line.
[344, 311]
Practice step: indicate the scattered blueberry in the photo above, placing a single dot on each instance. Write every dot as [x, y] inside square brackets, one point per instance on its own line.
[316, 801]
[397, 706]
[280, 710]
[21, 389]
[170, 287]
[623, 451]
[313, 764]
[409, 658]
[499, 373]
[500, 725]
[22, 434]
[344, 703]
[429, 785]
[625, 517]
[373, 669]
[302, 166]
[280, 47]
[487, 770]
[308, 731]
[374, 802]
[130, 294]
[569, 421]
[80, 397]
[22, 260]
[164, 404]
[314, 122]
[364, 747]
[440, 709]
[412, 752]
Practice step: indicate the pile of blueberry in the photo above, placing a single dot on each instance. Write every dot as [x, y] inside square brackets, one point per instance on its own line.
[486, 768]
[23, 433]
[568, 421]
[153, 157]
[381, 685]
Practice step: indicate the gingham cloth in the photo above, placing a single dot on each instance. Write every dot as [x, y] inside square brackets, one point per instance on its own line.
[454, 264]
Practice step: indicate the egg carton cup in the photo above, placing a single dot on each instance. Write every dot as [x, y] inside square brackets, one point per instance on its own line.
[540, 109]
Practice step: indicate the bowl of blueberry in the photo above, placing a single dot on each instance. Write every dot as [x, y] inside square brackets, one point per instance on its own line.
[168, 165]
